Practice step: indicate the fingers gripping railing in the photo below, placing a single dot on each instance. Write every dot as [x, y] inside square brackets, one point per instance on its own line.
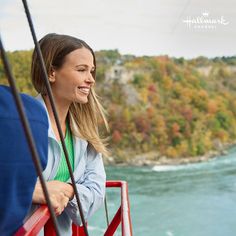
[122, 216]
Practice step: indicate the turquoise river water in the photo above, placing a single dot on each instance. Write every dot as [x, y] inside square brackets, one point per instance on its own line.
[184, 200]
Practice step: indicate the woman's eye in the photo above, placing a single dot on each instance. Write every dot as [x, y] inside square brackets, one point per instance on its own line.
[81, 69]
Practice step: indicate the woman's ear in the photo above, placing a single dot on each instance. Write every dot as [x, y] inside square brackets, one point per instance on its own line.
[52, 76]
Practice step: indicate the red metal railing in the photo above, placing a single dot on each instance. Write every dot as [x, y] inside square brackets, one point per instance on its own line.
[35, 223]
[41, 218]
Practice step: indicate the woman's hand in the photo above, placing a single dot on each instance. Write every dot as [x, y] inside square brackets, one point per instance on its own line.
[59, 192]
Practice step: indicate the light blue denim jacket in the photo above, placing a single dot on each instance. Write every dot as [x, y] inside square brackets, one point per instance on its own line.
[89, 176]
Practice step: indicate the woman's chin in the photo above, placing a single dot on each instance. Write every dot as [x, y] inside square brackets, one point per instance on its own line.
[82, 100]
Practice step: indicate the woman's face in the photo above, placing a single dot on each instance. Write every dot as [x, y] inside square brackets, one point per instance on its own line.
[73, 81]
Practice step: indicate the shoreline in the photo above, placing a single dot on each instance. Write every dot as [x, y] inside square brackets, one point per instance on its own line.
[152, 158]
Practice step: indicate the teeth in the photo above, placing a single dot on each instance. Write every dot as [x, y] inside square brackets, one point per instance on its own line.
[84, 90]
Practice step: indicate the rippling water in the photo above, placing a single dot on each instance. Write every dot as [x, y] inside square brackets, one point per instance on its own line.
[184, 200]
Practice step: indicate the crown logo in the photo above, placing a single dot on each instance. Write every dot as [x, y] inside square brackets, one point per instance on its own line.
[205, 13]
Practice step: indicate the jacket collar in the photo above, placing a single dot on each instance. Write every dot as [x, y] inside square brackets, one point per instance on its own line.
[51, 134]
[50, 130]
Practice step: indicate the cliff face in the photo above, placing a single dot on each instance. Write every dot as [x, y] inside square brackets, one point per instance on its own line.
[172, 107]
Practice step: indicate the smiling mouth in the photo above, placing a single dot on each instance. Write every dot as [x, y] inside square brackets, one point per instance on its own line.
[84, 90]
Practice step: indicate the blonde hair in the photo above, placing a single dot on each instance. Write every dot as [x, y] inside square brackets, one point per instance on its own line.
[83, 118]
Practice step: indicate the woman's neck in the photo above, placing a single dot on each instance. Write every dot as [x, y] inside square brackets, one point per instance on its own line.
[62, 111]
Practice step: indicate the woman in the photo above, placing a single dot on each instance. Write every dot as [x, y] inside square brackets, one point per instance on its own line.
[71, 69]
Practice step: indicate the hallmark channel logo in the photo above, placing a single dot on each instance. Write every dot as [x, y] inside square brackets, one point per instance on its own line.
[205, 21]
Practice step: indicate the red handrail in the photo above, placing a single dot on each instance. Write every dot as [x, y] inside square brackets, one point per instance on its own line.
[35, 223]
[41, 218]
[123, 213]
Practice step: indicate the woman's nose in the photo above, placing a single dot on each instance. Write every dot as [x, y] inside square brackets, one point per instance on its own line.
[90, 79]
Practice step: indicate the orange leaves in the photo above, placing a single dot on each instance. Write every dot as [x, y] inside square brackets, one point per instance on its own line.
[222, 135]
[142, 124]
[167, 83]
[187, 113]
[175, 130]
[203, 93]
[150, 112]
[152, 88]
[116, 136]
[171, 152]
[212, 107]
[187, 94]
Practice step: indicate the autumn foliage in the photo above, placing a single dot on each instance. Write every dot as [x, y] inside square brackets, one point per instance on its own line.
[173, 106]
